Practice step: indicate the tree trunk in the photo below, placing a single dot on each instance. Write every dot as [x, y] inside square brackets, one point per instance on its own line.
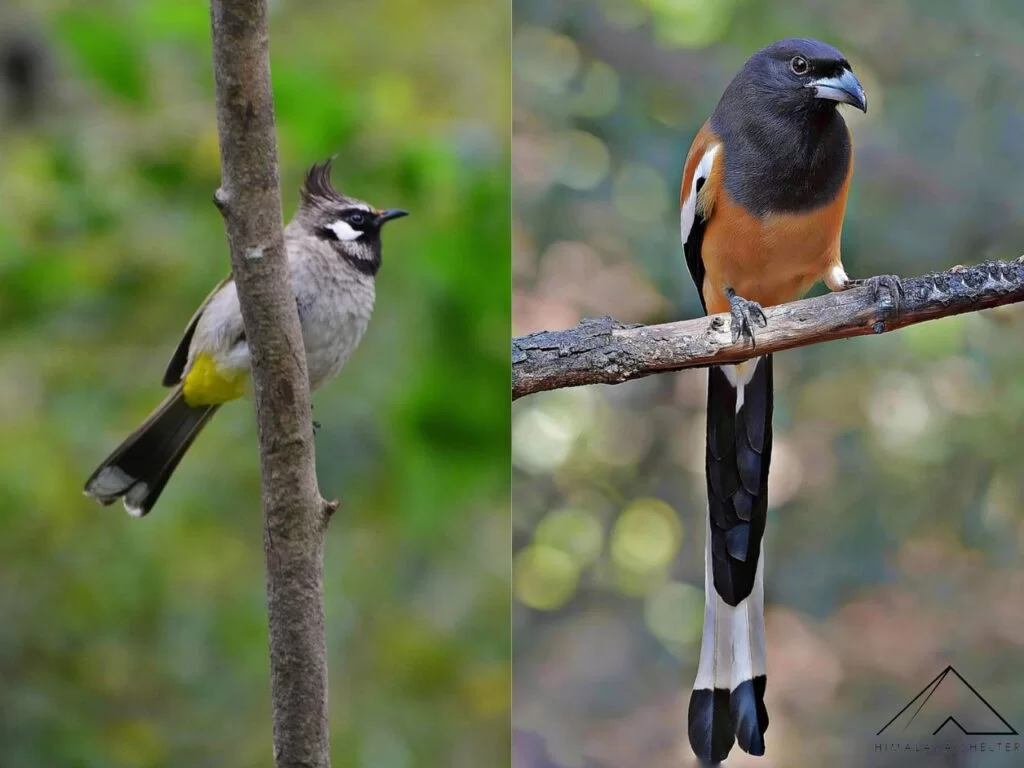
[295, 516]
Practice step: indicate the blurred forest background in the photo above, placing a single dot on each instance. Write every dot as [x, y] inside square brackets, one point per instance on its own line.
[128, 643]
[896, 529]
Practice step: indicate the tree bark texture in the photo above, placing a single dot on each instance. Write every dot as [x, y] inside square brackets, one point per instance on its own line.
[604, 351]
[295, 516]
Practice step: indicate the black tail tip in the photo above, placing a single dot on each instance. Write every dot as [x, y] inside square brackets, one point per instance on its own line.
[710, 725]
[750, 715]
[717, 719]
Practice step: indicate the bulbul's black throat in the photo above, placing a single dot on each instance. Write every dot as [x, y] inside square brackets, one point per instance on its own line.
[368, 264]
[364, 256]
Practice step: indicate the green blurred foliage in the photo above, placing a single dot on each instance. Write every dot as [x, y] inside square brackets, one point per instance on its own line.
[126, 643]
[895, 540]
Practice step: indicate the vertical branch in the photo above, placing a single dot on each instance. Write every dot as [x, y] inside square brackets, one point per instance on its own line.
[294, 514]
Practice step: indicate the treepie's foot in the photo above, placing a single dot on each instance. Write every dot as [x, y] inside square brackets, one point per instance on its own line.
[889, 283]
[745, 315]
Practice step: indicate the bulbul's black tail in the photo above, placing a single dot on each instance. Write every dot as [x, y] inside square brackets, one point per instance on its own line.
[140, 467]
[727, 703]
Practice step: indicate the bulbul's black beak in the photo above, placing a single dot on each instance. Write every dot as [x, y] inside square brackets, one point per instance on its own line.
[845, 88]
[389, 214]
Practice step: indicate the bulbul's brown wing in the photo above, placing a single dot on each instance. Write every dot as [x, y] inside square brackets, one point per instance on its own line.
[176, 367]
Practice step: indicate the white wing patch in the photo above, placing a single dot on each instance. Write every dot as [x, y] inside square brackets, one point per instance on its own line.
[344, 231]
[689, 209]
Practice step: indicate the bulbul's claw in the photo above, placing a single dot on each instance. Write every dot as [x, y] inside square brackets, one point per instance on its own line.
[316, 427]
[745, 315]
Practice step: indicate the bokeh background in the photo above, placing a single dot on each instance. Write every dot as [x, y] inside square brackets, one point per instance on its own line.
[895, 543]
[127, 643]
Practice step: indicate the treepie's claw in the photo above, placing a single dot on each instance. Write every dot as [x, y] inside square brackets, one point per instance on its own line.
[745, 315]
[889, 283]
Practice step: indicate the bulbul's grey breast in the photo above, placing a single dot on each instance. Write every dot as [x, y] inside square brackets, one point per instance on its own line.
[335, 302]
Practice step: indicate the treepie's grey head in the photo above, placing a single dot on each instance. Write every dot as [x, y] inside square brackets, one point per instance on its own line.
[796, 76]
[350, 226]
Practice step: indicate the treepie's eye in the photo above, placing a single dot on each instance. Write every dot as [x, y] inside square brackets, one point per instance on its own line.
[799, 65]
[357, 218]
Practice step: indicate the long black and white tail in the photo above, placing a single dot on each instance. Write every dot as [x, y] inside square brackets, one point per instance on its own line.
[727, 704]
[140, 467]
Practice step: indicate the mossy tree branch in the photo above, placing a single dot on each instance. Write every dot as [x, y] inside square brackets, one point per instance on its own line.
[604, 351]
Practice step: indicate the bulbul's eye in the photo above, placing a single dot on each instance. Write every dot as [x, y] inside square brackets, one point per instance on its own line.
[357, 218]
[799, 65]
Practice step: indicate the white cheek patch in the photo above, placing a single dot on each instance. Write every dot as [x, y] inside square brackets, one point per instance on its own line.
[689, 209]
[344, 231]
